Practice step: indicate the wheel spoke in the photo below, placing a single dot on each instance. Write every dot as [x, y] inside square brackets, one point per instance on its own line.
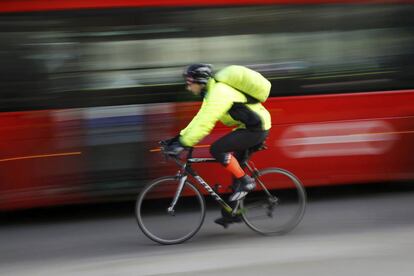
[163, 223]
[267, 213]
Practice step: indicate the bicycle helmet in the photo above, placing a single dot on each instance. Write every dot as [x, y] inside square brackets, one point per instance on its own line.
[198, 73]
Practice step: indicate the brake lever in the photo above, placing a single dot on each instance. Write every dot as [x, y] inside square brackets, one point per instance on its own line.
[168, 156]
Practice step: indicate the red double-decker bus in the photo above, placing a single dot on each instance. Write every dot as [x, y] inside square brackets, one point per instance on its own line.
[88, 87]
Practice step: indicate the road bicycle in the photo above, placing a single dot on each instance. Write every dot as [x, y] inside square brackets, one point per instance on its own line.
[171, 209]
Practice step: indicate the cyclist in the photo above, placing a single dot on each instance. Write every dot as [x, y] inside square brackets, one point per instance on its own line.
[222, 102]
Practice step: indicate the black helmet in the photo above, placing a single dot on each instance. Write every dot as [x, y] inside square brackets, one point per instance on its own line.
[198, 73]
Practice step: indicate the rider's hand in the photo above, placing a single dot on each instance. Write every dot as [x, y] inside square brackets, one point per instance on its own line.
[174, 148]
[170, 141]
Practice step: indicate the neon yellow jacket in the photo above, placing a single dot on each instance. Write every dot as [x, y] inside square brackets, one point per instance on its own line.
[219, 99]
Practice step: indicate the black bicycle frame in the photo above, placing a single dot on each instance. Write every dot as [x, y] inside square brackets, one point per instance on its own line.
[186, 170]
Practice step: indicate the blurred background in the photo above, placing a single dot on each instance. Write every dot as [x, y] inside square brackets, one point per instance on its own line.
[88, 88]
[86, 93]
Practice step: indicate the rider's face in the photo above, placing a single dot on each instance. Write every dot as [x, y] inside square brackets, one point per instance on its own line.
[195, 88]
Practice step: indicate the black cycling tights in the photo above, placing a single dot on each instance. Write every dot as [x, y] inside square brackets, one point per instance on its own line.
[238, 141]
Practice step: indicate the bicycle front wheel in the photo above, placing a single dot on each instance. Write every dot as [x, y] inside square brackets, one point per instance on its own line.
[166, 226]
[278, 204]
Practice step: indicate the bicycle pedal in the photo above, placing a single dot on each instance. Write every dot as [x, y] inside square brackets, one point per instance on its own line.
[224, 225]
[222, 222]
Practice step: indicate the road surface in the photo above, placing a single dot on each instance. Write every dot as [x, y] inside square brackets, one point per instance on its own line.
[345, 231]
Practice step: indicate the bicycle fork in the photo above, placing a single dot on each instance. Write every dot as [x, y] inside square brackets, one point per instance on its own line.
[182, 180]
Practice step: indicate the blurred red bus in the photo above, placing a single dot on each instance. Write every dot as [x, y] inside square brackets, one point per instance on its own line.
[87, 88]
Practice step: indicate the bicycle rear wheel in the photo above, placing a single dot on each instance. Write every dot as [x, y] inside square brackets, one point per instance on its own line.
[165, 227]
[278, 204]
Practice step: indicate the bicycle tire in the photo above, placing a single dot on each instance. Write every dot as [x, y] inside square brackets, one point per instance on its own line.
[258, 209]
[159, 195]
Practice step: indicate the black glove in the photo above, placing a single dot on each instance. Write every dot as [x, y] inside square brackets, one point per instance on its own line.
[174, 148]
[170, 141]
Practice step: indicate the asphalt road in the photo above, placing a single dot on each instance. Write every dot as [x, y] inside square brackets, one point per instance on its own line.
[364, 230]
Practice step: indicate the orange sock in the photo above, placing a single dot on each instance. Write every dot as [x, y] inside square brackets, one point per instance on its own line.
[234, 167]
